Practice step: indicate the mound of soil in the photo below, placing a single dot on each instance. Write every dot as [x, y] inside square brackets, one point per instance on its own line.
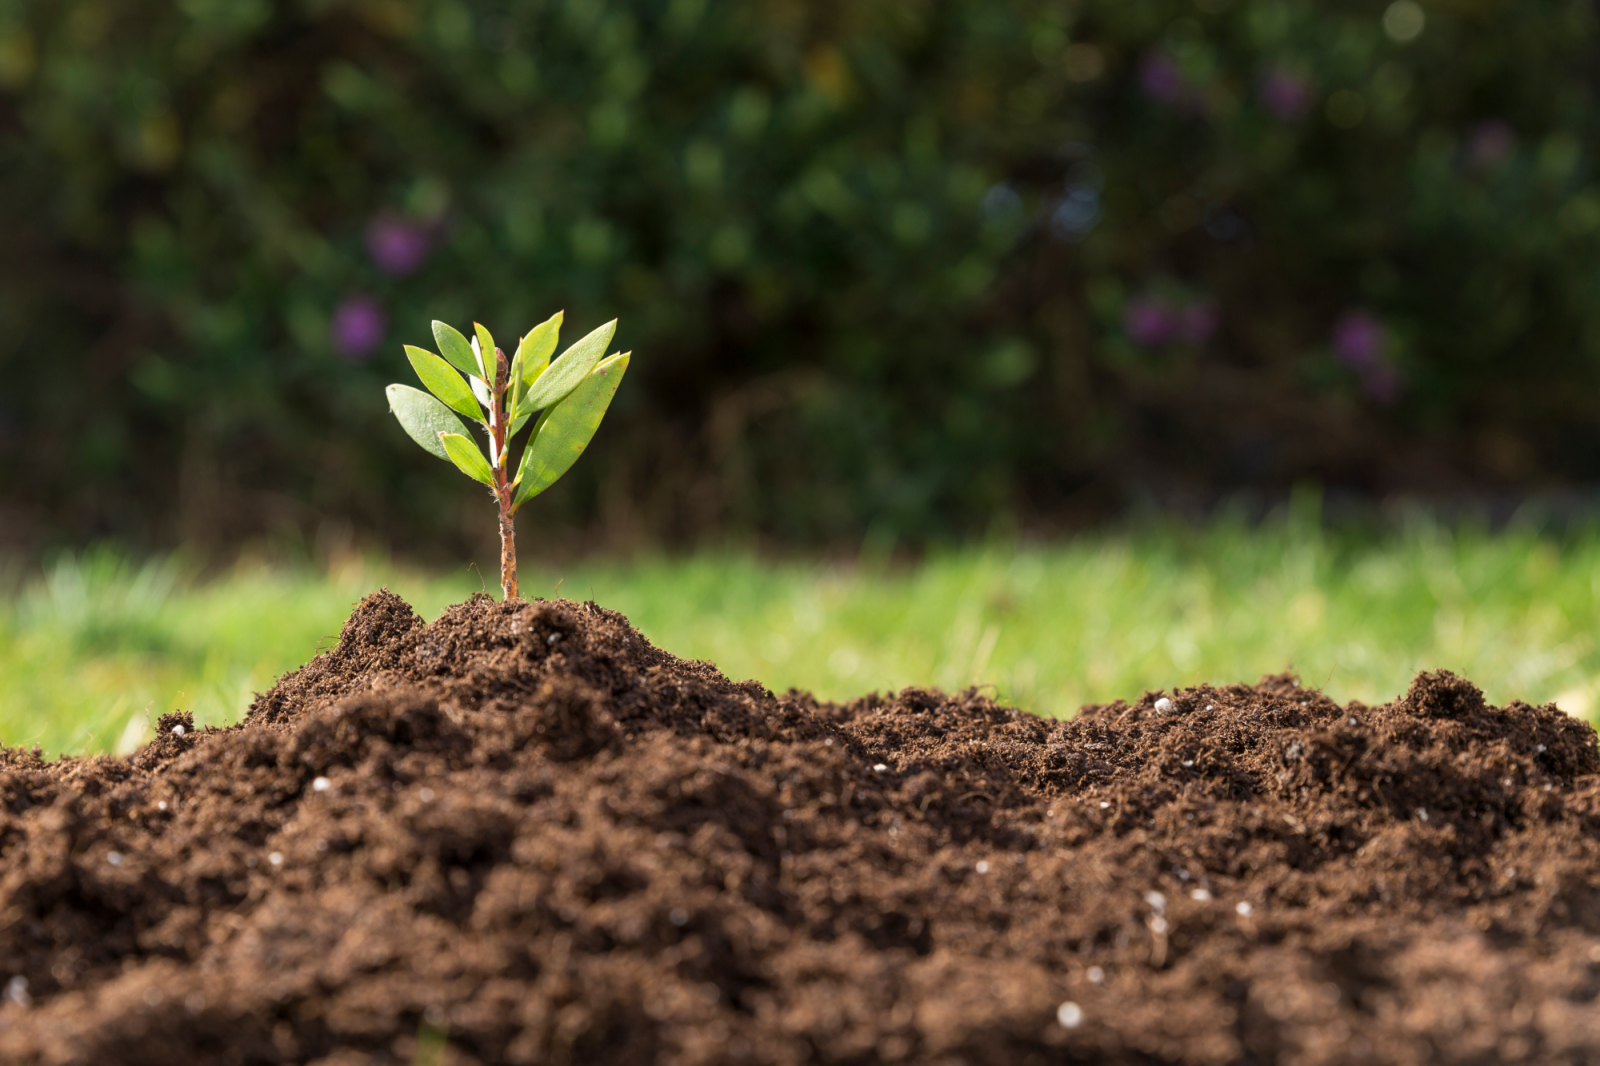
[522, 834]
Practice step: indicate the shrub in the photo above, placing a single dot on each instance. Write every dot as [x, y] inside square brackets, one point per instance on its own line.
[898, 263]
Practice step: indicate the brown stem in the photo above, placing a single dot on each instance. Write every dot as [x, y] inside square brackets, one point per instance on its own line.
[502, 484]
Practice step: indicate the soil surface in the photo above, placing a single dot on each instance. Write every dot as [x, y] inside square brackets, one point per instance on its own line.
[522, 834]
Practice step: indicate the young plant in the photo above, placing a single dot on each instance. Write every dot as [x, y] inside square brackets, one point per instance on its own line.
[475, 379]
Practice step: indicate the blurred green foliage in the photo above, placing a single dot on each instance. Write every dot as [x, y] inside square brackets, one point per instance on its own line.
[886, 263]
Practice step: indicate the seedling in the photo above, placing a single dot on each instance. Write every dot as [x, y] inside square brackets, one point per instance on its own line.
[474, 378]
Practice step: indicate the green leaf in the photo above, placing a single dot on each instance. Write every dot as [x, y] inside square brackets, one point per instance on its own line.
[454, 347]
[443, 381]
[565, 431]
[468, 459]
[566, 372]
[485, 352]
[538, 344]
[423, 417]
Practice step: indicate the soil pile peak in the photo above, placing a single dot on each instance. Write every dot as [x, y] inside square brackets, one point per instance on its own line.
[524, 830]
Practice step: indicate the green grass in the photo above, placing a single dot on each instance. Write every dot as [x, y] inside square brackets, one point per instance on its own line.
[96, 647]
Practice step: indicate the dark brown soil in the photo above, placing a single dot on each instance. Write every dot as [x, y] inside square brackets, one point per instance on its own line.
[523, 835]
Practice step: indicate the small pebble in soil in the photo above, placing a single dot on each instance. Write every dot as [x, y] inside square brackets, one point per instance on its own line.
[1209, 707]
[1158, 925]
[114, 858]
[1187, 763]
[1422, 813]
[161, 805]
[983, 866]
[1164, 705]
[1070, 1015]
[177, 730]
[17, 991]
[1156, 900]
[321, 784]
[276, 858]
[880, 767]
[1104, 805]
[1096, 975]
[1244, 909]
[1200, 894]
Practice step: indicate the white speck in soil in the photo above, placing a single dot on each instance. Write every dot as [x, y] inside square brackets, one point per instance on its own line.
[880, 767]
[1187, 763]
[17, 991]
[1505, 782]
[1070, 1015]
[1200, 894]
[276, 858]
[1540, 749]
[1104, 805]
[114, 858]
[1156, 900]
[161, 806]
[552, 638]
[983, 866]
[827, 742]
[1353, 721]
[1096, 975]
[1244, 909]
[1422, 813]
[177, 730]
[1158, 925]
[1209, 707]
[321, 784]
[1164, 705]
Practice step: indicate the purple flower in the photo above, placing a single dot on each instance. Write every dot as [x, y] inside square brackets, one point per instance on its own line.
[1150, 322]
[1165, 83]
[1358, 341]
[398, 246]
[358, 325]
[1491, 141]
[1284, 94]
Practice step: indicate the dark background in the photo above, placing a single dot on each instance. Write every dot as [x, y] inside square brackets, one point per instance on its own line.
[890, 267]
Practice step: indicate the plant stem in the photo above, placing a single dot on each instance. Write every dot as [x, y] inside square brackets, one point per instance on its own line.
[502, 484]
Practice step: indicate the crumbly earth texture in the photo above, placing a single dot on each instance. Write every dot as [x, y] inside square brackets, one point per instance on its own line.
[522, 834]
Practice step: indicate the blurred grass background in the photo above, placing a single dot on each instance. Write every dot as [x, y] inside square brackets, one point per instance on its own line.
[95, 648]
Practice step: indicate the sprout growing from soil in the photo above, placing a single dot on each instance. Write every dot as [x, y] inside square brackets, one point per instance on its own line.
[474, 378]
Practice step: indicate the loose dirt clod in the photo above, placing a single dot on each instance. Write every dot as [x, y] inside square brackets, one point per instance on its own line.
[526, 832]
